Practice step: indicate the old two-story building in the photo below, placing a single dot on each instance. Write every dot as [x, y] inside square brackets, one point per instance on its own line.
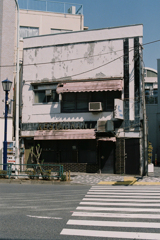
[82, 99]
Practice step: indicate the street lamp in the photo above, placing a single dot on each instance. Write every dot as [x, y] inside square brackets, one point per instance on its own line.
[6, 84]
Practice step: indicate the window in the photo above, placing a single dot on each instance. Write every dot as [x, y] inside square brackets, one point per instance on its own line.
[151, 96]
[28, 31]
[149, 85]
[45, 95]
[79, 102]
[150, 73]
[54, 30]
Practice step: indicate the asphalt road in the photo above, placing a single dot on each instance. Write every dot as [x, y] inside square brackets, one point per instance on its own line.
[37, 211]
[77, 212]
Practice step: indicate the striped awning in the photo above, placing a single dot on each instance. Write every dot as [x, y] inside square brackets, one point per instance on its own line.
[65, 134]
[90, 86]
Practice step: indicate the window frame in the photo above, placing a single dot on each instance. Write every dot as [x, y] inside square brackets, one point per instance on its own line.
[41, 88]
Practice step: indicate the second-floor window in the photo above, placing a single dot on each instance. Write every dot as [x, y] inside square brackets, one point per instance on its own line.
[79, 102]
[45, 95]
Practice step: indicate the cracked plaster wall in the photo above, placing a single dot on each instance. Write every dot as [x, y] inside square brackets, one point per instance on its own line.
[68, 61]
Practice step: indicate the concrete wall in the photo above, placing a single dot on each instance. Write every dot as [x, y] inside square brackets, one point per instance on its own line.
[151, 110]
[158, 112]
[72, 56]
[47, 20]
[7, 29]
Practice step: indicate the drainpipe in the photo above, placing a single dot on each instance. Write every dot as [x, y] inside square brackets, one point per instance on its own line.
[17, 91]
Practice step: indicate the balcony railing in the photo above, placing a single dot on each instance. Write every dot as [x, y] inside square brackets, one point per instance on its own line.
[51, 6]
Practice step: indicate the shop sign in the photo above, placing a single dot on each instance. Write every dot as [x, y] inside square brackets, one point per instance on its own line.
[64, 126]
[118, 109]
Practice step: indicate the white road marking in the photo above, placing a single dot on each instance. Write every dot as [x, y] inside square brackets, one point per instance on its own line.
[116, 215]
[122, 193]
[51, 209]
[118, 200]
[119, 197]
[114, 224]
[110, 234]
[125, 190]
[121, 204]
[43, 217]
[119, 209]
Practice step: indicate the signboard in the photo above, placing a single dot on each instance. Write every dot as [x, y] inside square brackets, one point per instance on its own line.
[118, 109]
[11, 152]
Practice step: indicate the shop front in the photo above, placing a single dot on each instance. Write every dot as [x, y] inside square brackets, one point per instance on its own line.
[76, 149]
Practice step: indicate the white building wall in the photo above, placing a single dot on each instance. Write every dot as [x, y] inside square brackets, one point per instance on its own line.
[45, 21]
[7, 28]
[72, 56]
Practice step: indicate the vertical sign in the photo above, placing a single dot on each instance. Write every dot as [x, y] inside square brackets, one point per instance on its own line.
[118, 109]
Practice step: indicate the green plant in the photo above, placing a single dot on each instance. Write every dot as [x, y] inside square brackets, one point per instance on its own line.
[63, 177]
[46, 174]
[3, 173]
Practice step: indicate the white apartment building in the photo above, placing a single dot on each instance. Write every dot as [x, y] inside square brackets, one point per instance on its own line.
[82, 99]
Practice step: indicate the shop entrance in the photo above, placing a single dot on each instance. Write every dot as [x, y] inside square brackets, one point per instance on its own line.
[106, 156]
[132, 156]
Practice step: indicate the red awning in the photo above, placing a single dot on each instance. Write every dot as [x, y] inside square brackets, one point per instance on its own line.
[65, 134]
[92, 86]
[112, 139]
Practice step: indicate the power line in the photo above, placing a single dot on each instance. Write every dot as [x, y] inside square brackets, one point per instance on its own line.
[74, 59]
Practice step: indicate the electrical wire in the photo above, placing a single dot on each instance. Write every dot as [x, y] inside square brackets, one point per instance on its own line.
[75, 59]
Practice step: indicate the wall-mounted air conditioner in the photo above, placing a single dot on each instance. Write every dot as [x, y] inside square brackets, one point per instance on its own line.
[48, 92]
[72, 10]
[95, 106]
[105, 126]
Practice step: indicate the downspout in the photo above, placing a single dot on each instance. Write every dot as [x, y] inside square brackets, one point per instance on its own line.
[17, 91]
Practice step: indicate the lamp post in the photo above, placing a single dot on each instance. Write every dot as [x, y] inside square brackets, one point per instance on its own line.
[6, 84]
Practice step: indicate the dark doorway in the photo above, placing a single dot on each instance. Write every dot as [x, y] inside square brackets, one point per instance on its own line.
[106, 156]
[132, 152]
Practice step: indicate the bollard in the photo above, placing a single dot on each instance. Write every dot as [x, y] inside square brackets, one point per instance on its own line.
[155, 159]
[66, 176]
[69, 175]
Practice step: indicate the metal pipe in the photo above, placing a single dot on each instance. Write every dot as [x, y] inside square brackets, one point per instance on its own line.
[17, 91]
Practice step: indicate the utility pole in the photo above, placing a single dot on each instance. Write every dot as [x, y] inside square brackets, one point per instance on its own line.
[145, 151]
[17, 90]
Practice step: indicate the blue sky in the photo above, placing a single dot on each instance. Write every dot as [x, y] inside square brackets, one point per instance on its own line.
[112, 13]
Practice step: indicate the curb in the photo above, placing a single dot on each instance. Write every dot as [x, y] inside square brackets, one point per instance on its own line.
[129, 183]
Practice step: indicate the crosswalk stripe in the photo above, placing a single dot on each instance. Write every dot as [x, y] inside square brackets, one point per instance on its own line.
[111, 234]
[122, 190]
[133, 188]
[116, 215]
[121, 204]
[114, 224]
[119, 200]
[119, 209]
[122, 193]
[130, 197]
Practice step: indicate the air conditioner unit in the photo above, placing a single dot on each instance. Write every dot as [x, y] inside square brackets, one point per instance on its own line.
[105, 126]
[48, 92]
[101, 126]
[95, 106]
[72, 10]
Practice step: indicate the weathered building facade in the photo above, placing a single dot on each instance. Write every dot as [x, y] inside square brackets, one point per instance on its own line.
[81, 99]
[7, 68]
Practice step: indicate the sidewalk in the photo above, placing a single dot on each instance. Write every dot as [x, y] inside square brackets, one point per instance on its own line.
[96, 178]
[116, 179]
